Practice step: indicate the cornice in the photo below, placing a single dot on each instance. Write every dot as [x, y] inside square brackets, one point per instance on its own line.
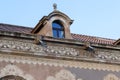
[56, 40]
[61, 52]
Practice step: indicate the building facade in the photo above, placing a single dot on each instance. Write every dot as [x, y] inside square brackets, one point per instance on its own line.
[49, 51]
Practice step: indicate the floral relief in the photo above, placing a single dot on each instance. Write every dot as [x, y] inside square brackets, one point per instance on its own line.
[63, 75]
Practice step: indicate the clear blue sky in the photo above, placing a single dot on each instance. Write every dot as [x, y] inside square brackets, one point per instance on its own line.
[91, 17]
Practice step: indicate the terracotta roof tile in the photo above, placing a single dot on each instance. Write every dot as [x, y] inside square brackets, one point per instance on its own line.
[83, 38]
[93, 39]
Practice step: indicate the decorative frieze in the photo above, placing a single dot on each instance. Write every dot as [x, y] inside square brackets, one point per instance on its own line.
[56, 51]
[109, 55]
[37, 49]
[59, 63]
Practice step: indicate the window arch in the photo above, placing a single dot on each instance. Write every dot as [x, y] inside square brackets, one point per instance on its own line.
[58, 29]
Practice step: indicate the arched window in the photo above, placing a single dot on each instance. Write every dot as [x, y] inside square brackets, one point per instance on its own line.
[58, 29]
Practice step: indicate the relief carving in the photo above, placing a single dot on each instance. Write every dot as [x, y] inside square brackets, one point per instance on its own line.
[34, 49]
[52, 50]
[37, 49]
[109, 55]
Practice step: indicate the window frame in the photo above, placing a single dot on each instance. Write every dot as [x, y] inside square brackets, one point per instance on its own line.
[58, 32]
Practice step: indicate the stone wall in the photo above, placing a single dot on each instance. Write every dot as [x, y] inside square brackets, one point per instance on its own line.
[59, 59]
[31, 68]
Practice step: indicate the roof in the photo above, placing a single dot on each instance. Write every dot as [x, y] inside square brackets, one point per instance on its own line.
[15, 28]
[93, 39]
[83, 38]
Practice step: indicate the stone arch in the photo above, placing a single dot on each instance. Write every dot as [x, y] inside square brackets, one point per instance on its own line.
[14, 70]
[12, 77]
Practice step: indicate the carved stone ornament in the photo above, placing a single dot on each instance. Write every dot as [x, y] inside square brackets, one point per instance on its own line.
[14, 70]
[111, 77]
[37, 49]
[63, 75]
[109, 55]
[33, 49]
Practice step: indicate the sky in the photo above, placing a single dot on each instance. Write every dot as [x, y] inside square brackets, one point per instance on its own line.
[99, 18]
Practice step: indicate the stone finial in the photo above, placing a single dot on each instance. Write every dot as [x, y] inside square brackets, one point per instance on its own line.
[55, 6]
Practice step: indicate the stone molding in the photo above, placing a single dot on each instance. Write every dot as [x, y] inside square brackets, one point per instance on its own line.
[109, 55]
[38, 50]
[34, 49]
[60, 63]
[11, 69]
